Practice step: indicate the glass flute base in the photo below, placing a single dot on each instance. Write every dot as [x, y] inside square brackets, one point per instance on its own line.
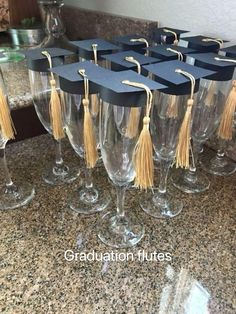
[220, 166]
[120, 231]
[16, 195]
[89, 200]
[59, 175]
[160, 205]
[190, 182]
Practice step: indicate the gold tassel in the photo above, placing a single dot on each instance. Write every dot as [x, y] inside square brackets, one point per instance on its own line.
[56, 109]
[209, 101]
[133, 123]
[95, 104]
[56, 113]
[184, 137]
[90, 144]
[172, 110]
[6, 124]
[225, 130]
[143, 151]
[183, 146]
[143, 161]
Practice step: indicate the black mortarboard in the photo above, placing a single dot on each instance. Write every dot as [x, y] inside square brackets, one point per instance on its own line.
[36, 61]
[230, 51]
[166, 35]
[202, 43]
[85, 48]
[164, 52]
[118, 62]
[72, 82]
[130, 42]
[165, 73]
[224, 70]
[112, 90]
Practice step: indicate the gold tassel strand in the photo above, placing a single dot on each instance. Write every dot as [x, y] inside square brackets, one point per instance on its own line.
[172, 110]
[7, 127]
[55, 107]
[134, 115]
[174, 33]
[225, 130]
[143, 151]
[183, 145]
[90, 144]
[141, 40]
[95, 103]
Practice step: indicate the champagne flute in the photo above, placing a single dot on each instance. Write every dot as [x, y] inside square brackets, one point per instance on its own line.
[12, 195]
[118, 229]
[89, 198]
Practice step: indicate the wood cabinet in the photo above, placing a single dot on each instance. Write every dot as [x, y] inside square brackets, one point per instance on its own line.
[13, 11]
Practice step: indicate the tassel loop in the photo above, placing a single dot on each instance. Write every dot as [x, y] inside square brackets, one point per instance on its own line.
[219, 41]
[142, 155]
[95, 53]
[90, 144]
[179, 54]
[141, 40]
[184, 144]
[174, 33]
[56, 109]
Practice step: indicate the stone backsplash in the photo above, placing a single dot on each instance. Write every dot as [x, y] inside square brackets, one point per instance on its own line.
[4, 15]
[83, 24]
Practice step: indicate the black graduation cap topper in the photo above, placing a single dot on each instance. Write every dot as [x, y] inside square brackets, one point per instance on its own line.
[92, 49]
[167, 35]
[229, 51]
[129, 60]
[203, 43]
[72, 82]
[169, 52]
[132, 42]
[165, 73]
[37, 61]
[113, 91]
[222, 66]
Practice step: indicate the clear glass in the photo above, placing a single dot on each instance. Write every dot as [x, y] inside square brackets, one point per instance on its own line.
[206, 117]
[12, 194]
[159, 203]
[116, 228]
[91, 197]
[54, 26]
[220, 164]
[56, 173]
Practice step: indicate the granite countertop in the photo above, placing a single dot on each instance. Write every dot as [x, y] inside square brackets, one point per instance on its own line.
[36, 278]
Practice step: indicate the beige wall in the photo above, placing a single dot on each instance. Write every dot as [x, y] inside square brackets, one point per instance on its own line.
[208, 17]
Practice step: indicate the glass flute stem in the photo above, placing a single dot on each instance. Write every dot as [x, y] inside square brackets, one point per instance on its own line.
[59, 159]
[164, 170]
[120, 191]
[88, 178]
[8, 180]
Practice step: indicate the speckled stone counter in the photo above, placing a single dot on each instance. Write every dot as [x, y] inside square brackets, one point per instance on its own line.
[36, 278]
